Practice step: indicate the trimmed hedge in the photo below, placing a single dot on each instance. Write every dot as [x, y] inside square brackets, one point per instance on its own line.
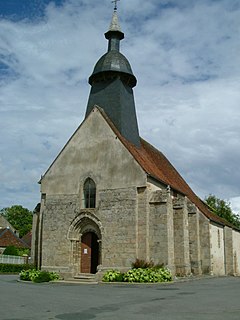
[14, 268]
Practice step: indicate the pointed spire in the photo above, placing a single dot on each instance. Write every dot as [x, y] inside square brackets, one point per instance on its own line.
[114, 34]
[112, 83]
[114, 25]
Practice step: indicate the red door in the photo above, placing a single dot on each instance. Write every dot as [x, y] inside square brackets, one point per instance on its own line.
[89, 253]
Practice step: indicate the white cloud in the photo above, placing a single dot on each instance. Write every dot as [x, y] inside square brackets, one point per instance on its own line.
[235, 205]
[185, 57]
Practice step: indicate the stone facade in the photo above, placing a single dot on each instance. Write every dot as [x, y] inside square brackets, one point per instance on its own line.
[181, 236]
[134, 217]
[110, 197]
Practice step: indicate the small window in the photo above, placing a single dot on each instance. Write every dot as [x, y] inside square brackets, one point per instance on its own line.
[89, 191]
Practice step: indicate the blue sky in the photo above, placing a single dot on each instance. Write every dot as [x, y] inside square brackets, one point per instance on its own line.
[17, 10]
[185, 55]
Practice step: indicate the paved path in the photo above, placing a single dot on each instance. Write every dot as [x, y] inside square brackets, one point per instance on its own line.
[207, 299]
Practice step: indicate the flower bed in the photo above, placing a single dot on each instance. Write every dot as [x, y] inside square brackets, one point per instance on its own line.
[140, 275]
[38, 275]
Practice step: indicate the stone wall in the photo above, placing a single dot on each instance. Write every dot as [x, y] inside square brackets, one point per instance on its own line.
[117, 213]
[57, 215]
[204, 233]
[228, 242]
[142, 224]
[61, 243]
[101, 157]
[161, 234]
[181, 236]
[194, 239]
[217, 249]
[236, 253]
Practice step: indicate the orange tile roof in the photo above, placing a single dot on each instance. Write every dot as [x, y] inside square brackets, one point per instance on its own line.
[156, 165]
[8, 238]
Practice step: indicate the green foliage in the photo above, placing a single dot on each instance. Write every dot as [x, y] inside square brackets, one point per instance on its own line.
[14, 268]
[113, 276]
[25, 275]
[11, 251]
[142, 275]
[223, 209]
[38, 276]
[14, 251]
[148, 275]
[20, 218]
[23, 252]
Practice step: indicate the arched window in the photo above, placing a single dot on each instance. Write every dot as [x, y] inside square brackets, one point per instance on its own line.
[89, 190]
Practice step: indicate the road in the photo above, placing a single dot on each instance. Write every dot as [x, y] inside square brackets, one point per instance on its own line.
[205, 299]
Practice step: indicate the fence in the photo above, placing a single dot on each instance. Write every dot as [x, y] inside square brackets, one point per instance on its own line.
[13, 259]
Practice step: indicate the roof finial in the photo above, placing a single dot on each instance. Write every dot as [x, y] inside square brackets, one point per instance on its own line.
[115, 4]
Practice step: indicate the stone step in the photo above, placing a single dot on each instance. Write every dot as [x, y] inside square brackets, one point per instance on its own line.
[85, 277]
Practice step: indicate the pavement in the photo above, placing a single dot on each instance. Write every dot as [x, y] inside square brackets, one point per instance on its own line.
[205, 299]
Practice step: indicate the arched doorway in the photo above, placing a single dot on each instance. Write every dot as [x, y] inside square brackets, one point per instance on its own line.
[85, 234]
[89, 252]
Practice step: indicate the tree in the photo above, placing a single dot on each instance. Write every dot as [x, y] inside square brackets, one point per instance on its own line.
[222, 209]
[20, 218]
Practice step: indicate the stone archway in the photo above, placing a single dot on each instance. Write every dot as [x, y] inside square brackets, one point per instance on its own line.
[85, 234]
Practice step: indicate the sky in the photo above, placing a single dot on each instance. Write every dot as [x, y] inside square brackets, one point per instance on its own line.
[185, 55]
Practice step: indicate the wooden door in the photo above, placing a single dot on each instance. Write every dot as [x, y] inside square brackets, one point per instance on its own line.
[86, 253]
[89, 253]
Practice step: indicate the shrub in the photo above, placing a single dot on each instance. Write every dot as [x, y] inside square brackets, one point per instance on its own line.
[147, 275]
[25, 275]
[11, 251]
[113, 276]
[23, 252]
[14, 251]
[142, 275]
[38, 275]
[143, 264]
[14, 268]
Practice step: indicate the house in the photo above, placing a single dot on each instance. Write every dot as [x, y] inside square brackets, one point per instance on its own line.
[110, 197]
[27, 238]
[9, 238]
[5, 224]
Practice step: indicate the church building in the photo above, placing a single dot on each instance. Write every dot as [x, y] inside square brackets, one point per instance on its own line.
[110, 197]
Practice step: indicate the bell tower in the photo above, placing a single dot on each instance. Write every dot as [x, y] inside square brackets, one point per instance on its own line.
[112, 83]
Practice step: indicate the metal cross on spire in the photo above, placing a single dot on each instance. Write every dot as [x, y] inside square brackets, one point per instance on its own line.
[115, 4]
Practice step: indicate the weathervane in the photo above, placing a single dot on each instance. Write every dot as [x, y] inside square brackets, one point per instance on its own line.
[115, 4]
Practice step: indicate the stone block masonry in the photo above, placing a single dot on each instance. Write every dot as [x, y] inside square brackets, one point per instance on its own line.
[181, 236]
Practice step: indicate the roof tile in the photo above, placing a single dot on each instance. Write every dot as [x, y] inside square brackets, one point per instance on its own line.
[156, 165]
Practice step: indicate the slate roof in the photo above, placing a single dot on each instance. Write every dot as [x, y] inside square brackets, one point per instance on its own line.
[9, 238]
[4, 223]
[157, 166]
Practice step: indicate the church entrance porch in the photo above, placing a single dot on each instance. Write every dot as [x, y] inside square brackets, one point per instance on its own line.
[89, 253]
[85, 235]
